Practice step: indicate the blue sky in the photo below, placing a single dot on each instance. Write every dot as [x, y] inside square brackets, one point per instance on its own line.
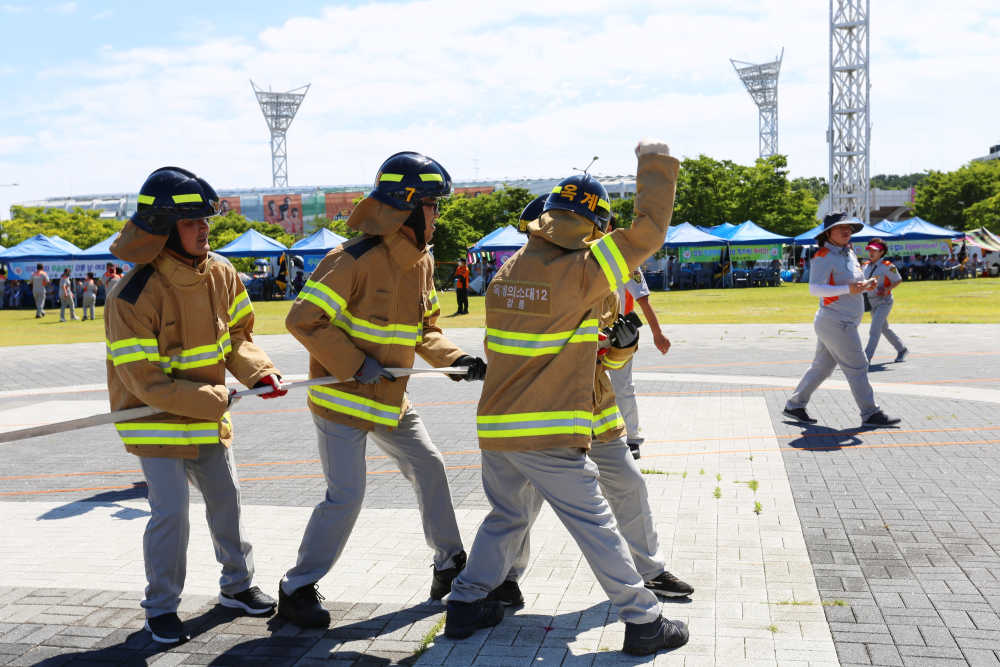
[98, 94]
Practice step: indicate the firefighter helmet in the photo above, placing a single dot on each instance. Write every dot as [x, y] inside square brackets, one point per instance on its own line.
[406, 178]
[531, 212]
[582, 194]
[171, 194]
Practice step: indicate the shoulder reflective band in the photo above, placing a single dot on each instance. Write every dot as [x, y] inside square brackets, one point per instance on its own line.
[240, 308]
[608, 420]
[158, 433]
[611, 261]
[396, 178]
[133, 349]
[146, 199]
[435, 306]
[187, 199]
[431, 177]
[356, 406]
[535, 345]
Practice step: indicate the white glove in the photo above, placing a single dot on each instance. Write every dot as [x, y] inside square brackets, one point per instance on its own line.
[647, 145]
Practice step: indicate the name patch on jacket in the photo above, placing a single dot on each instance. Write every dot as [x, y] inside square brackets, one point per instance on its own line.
[518, 297]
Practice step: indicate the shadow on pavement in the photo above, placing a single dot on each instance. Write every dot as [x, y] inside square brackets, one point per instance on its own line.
[222, 636]
[822, 438]
[105, 499]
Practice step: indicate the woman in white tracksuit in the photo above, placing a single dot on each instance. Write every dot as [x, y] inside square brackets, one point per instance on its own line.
[881, 301]
[837, 280]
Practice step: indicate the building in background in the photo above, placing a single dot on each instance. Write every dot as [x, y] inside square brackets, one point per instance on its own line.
[994, 155]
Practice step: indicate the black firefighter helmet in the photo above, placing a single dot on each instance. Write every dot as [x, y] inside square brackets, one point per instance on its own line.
[582, 194]
[171, 194]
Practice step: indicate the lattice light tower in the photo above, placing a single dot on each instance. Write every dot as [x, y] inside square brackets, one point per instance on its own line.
[849, 135]
[761, 82]
[279, 111]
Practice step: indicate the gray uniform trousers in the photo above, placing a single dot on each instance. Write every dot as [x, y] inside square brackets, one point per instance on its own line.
[880, 327]
[39, 302]
[165, 542]
[624, 487]
[624, 386]
[342, 454]
[837, 343]
[567, 479]
[89, 302]
[64, 303]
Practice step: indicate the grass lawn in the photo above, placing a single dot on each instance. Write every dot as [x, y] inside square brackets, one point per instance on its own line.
[965, 301]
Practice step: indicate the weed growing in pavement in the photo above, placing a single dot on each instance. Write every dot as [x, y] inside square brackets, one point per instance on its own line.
[751, 457]
[684, 474]
[797, 603]
[773, 628]
[654, 471]
[717, 493]
[836, 603]
[757, 508]
[718, 477]
[701, 472]
[753, 485]
[428, 639]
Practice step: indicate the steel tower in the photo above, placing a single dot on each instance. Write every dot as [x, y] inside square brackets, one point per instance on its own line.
[850, 127]
[761, 82]
[279, 111]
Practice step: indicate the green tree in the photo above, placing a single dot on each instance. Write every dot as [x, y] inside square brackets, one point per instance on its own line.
[336, 226]
[816, 186]
[710, 192]
[897, 182]
[227, 229]
[966, 198]
[81, 228]
[624, 210]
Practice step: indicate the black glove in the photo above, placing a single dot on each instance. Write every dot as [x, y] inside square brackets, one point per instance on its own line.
[372, 371]
[625, 332]
[477, 368]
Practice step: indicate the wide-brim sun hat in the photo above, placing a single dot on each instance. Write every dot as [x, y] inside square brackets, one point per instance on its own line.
[837, 218]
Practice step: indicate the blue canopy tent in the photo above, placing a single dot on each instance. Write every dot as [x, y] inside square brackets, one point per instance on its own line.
[885, 225]
[40, 248]
[318, 244]
[98, 253]
[722, 231]
[686, 234]
[749, 233]
[504, 239]
[918, 229]
[252, 243]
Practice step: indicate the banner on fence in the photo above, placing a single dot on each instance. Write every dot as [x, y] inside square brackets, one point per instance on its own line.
[909, 248]
[23, 270]
[737, 253]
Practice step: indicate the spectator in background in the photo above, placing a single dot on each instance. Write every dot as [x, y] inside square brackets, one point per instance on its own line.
[3, 286]
[89, 297]
[66, 297]
[39, 281]
[298, 282]
[16, 290]
[114, 279]
[109, 273]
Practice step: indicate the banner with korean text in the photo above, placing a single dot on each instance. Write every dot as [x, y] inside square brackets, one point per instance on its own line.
[737, 253]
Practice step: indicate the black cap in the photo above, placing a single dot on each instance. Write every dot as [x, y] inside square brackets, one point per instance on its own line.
[834, 218]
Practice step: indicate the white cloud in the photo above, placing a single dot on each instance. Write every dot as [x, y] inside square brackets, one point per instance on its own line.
[63, 8]
[104, 15]
[14, 10]
[528, 89]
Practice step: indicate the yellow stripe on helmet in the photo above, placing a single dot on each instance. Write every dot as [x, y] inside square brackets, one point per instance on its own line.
[187, 199]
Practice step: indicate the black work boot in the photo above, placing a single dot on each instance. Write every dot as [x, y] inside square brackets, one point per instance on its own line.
[464, 618]
[798, 414]
[508, 593]
[441, 581]
[167, 629]
[648, 638]
[634, 448]
[668, 586]
[303, 607]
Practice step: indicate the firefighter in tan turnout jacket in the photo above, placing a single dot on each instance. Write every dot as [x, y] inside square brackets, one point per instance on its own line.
[174, 325]
[371, 304]
[539, 413]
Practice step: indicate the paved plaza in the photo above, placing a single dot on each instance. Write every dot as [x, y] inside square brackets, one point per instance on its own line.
[823, 545]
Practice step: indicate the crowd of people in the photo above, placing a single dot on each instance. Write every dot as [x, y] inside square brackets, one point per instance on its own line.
[41, 291]
[923, 267]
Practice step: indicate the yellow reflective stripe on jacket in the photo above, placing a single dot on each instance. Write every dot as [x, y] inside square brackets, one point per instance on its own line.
[608, 420]
[324, 297]
[435, 306]
[612, 364]
[336, 308]
[356, 406]
[566, 422]
[240, 308]
[611, 261]
[132, 349]
[534, 345]
[206, 433]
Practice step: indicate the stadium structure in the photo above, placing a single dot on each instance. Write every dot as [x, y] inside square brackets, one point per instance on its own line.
[334, 202]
